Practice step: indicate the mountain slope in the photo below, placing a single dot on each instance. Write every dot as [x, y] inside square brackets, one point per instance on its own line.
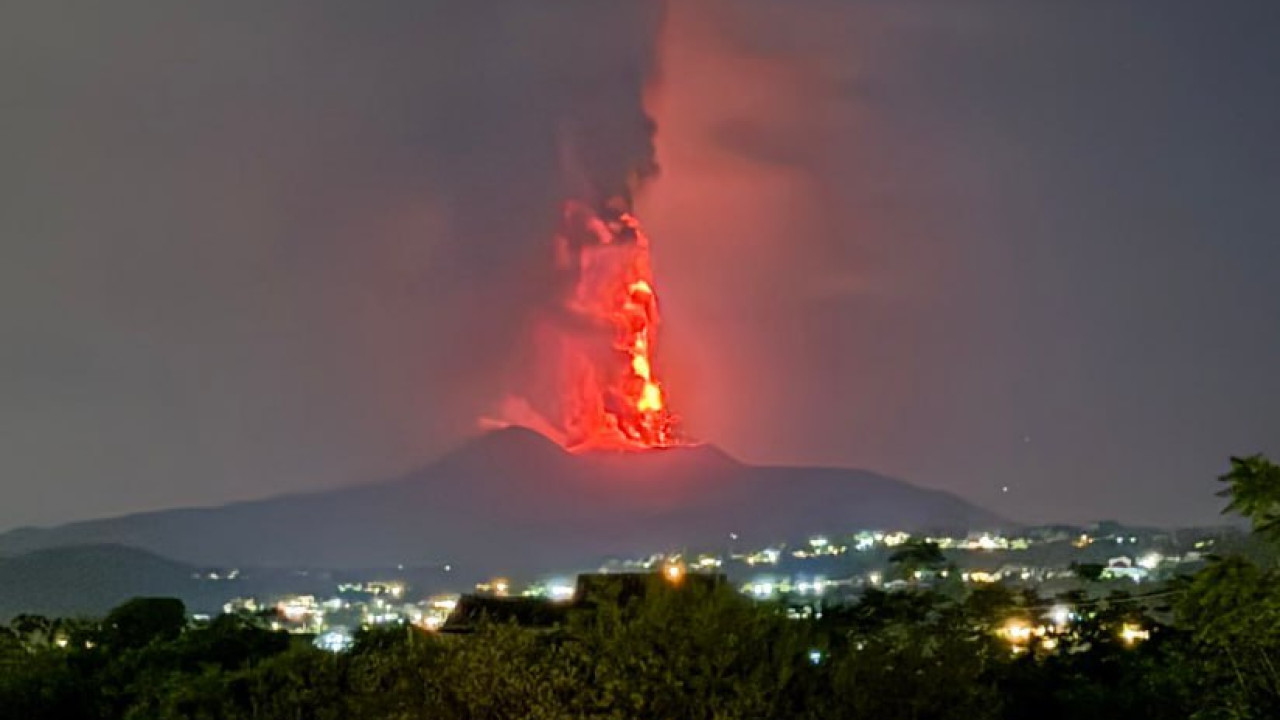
[513, 501]
[89, 580]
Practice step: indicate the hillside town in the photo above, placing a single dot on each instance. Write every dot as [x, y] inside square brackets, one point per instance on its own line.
[806, 576]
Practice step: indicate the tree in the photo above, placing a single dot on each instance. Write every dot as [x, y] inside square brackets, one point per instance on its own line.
[1089, 572]
[302, 683]
[1253, 492]
[141, 621]
[1232, 613]
[909, 655]
[33, 631]
[1231, 609]
[230, 641]
[694, 653]
[917, 556]
[12, 652]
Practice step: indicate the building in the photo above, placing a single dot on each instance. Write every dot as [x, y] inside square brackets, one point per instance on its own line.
[592, 591]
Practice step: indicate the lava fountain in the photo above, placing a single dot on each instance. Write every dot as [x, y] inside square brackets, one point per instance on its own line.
[612, 394]
[594, 383]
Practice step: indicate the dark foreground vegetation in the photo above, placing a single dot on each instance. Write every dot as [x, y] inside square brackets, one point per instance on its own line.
[1207, 646]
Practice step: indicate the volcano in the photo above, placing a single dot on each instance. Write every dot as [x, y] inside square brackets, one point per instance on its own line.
[513, 501]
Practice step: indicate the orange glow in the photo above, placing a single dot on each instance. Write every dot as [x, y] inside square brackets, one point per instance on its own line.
[600, 339]
[1016, 631]
[1132, 634]
[613, 395]
[674, 573]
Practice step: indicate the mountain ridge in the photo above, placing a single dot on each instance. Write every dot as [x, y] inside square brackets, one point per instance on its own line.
[513, 500]
[77, 580]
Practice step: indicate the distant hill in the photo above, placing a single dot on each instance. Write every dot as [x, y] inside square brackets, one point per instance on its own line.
[512, 501]
[89, 580]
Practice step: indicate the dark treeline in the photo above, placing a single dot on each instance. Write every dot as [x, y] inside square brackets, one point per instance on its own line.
[1211, 651]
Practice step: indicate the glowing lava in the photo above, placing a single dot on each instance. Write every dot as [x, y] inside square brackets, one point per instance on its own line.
[614, 397]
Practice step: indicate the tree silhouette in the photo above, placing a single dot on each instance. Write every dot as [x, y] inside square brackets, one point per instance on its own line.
[917, 556]
[1253, 492]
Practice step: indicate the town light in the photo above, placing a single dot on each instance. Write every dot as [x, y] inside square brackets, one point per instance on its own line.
[1016, 631]
[1131, 634]
[674, 573]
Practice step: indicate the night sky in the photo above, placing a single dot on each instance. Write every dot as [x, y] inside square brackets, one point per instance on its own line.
[288, 246]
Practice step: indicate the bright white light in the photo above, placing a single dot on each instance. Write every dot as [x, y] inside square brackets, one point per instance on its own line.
[896, 539]
[1151, 560]
[1060, 615]
[335, 640]
[297, 608]
[767, 556]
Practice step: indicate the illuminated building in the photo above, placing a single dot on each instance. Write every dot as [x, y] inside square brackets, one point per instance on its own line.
[1132, 634]
[592, 590]
[336, 639]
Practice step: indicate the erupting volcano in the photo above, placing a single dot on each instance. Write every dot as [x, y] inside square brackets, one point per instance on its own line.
[595, 382]
[584, 365]
[612, 395]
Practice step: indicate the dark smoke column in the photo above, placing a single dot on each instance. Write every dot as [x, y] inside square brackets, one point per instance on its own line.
[595, 378]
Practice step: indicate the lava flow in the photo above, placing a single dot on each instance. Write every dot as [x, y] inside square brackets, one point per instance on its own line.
[613, 397]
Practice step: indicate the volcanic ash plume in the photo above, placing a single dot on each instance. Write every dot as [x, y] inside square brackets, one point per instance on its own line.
[592, 378]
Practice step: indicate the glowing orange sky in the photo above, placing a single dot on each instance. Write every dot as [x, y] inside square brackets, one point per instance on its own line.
[747, 234]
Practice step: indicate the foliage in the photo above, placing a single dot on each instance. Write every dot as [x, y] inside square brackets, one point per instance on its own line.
[141, 621]
[1091, 572]
[1253, 492]
[915, 557]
